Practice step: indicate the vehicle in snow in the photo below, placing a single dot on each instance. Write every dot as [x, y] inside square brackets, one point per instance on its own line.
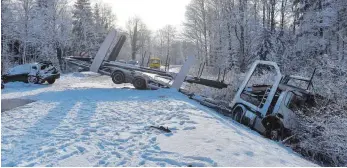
[271, 109]
[267, 109]
[125, 73]
[37, 73]
[105, 63]
[154, 63]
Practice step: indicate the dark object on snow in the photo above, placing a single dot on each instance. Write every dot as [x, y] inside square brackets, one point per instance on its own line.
[219, 84]
[207, 82]
[36, 73]
[162, 128]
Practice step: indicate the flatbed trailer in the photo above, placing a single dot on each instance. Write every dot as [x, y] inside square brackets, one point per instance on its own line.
[105, 63]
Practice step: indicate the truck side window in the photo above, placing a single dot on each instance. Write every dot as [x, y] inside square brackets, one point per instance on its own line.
[34, 67]
[290, 101]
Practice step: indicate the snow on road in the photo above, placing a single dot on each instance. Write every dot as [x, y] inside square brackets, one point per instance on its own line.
[85, 120]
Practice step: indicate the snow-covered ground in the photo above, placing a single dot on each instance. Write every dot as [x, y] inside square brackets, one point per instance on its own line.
[85, 120]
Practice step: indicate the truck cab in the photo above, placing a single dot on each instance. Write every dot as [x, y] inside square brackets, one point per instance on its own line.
[268, 107]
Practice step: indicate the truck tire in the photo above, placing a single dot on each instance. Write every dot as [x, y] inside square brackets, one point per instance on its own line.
[51, 81]
[140, 83]
[33, 79]
[238, 113]
[118, 77]
[274, 128]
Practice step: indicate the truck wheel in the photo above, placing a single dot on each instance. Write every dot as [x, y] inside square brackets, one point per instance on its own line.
[51, 81]
[140, 83]
[274, 128]
[238, 113]
[118, 77]
[276, 134]
[33, 79]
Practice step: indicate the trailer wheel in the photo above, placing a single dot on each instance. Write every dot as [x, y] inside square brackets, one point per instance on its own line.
[238, 113]
[118, 77]
[139, 83]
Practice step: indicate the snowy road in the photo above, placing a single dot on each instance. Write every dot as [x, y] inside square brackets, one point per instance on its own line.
[86, 120]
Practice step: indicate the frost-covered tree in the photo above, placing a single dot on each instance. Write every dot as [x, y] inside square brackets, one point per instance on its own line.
[34, 30]
[83, 28]
[103, 21]
[25, 23]
[138, 33]
[9, 35]
[168, 33]
[196, 27]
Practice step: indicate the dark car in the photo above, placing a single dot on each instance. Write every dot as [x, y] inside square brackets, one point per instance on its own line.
[32, 73]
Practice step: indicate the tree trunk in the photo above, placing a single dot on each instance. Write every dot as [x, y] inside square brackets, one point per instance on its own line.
[343, 50]
[133, 43]
[294, 10]
[282, 14]
[24, 53]
[337, 35]
[242, 35]
[273, 5]
[268, 7]
[320, 28]
[202, 5]
[264, 13]
[255, 10]
[59, 57]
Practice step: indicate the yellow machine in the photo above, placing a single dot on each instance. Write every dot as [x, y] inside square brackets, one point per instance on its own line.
[154, 63]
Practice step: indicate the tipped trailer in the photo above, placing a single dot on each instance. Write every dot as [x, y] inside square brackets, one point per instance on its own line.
[141, 77]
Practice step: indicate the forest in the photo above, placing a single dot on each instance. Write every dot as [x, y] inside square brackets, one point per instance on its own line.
[300, 35]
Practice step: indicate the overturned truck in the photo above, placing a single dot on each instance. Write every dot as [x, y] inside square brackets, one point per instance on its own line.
[266, 108]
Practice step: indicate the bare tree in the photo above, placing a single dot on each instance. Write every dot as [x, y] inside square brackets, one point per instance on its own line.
[138, 34]
[169, 33]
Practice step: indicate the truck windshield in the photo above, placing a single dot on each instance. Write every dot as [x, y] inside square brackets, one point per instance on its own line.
[302, 84]
[155, 61]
